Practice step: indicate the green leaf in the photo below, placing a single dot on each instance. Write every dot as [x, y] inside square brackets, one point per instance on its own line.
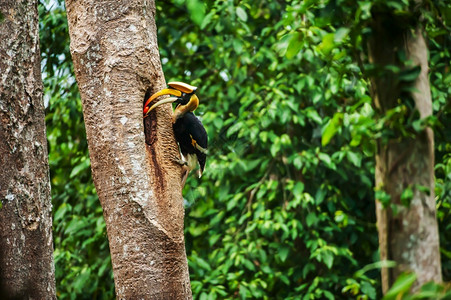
[313, 115]
[331, 128]
[340, 34]
[298, 188]
[364, 9]
[244, 292]
[203, 264]
[328, 258]
[241, 13]
[295, 45]
[325, 158]
[282, 44]
[401, 286]
[249, 265]
[207, 19]
[368, 290]
[328, 295]
[203, 296]
[59, 214]
[410, 74]
[196, 231]
[354, 158]
[275, 147]
[197, 11]
[81, 279]
[237, 46]
[327, 44]
[320, 195]
[383, 197]
[376, 265]
[74, 226]
[83, 166]
[283, 253]
[311, 219]
[423, 189]
[307, 269]
[407, 196]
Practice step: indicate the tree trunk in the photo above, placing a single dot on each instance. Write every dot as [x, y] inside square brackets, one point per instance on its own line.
[410, 235]
[115, 53]
[26, 248]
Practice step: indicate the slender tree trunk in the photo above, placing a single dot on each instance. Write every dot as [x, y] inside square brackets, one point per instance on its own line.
[26, 248]
[410, 235]
[115, 53]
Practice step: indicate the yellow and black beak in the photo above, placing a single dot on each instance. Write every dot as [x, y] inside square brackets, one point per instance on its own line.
[158, 94]
[147, 110]
[183, 87]
[179, 89]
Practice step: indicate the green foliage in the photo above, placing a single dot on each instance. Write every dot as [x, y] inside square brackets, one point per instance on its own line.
[438, 27]
[291, 125]
[285, 209]
[429, 291]
[401, 286]
[275, 217]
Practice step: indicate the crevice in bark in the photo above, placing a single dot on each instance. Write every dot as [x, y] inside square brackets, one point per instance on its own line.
[157, 172]
[150, 128]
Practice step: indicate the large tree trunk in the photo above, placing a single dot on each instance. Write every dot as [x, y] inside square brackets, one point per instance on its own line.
[115, 53]
[26, 248]
[410, 235]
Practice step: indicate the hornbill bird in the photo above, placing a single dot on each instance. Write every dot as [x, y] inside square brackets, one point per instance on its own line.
[188, 129]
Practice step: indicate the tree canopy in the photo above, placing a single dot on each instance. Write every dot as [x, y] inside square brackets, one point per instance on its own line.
[286, 204]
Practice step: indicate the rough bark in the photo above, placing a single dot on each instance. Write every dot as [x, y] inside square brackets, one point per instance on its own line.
[115, 53]
[26, 248]
[409, 236]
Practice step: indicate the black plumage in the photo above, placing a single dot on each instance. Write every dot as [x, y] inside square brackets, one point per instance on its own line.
[190, 132]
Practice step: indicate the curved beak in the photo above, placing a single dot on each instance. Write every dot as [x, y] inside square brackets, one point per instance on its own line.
[181, 86]
[167, 100]
[161, 93]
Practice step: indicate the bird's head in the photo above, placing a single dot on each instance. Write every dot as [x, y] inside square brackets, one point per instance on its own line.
[185, 97]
